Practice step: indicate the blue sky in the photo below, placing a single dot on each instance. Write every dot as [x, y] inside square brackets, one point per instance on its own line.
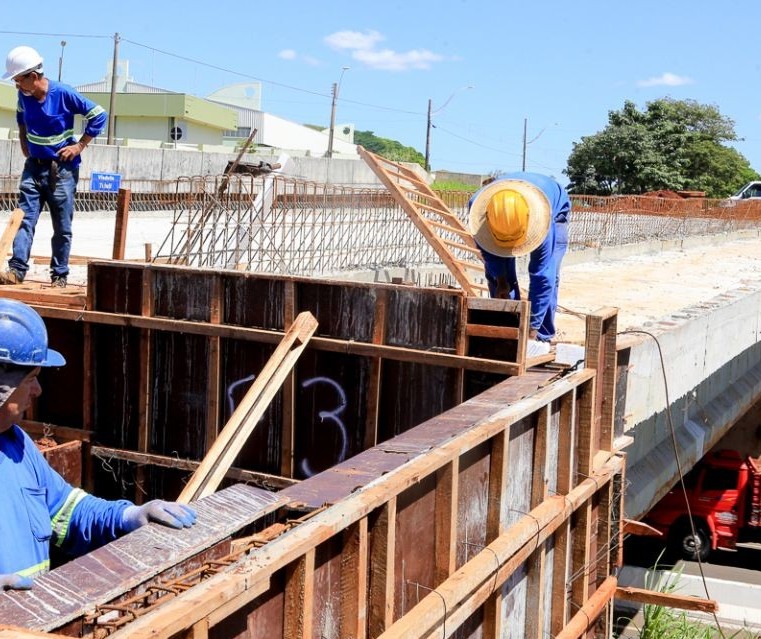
[559, 65]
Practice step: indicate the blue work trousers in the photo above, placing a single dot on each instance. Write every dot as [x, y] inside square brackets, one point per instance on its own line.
[43, 182]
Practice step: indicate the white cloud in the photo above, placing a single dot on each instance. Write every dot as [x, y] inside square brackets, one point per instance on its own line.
[666, 80]
[362, 47]
[353, 40]
[388, 60]
[287, 54]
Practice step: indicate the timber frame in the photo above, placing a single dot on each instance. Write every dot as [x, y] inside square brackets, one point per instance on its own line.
[503, 511]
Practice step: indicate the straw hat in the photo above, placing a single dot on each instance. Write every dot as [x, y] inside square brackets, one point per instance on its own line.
[509, 217]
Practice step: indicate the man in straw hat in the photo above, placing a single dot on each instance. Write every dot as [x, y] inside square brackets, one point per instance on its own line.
[518, 214]
[38, 507]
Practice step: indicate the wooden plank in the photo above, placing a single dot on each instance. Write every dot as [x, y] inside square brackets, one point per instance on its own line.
[146, 376]
[498, 504]
[250, 410]
[494, 332]
[585, 618]
[376, 367]
[564, 485]
[382, 554]
[333, 345]
[445, 520]
[288, 434]
[215, 366]
[298, 609]
[72, 590]
[199, 630]
[354, 581]
[253, 477]
[536, 576]
[120, 228]
[9, 233]
[581, 552]
[14, 632]
[667, 600]
[600, 354]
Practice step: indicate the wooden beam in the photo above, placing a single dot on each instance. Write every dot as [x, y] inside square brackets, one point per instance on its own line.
[498, 497]
[9, 233]
[225, 449]
[535, 579]
[382, 556]
[298, 608]
[445, 520]
[120, 228]
[565, 482]
[14, 632]
[215, 365]
[146, 375]
[329, 344]
[354, 581]
[668, 600]
[255, 478]
[633, 527]
[376, 368]
[585, 618]
[288, 434]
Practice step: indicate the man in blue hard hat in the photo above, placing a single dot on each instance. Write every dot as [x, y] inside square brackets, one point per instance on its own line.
[37, 507]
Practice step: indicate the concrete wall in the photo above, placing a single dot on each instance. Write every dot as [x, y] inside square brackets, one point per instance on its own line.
[712, 360]
[168, 164]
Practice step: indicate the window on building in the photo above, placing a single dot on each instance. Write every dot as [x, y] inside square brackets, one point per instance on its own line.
[240, 132]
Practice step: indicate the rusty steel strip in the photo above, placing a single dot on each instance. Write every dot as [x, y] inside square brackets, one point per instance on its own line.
[108, 618]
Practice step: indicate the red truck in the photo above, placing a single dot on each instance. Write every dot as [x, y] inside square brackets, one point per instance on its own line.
[724, 492]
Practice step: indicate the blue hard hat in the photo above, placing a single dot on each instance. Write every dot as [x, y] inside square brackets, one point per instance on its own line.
[23, 337]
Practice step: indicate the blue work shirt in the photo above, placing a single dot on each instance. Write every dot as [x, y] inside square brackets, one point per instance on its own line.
[50, 123]
[544, 260]
[38, 507]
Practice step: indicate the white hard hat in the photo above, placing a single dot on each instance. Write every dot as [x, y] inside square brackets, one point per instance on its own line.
[21, 60]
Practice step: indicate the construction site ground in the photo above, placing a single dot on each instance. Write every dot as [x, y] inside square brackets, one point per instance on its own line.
[646, 283]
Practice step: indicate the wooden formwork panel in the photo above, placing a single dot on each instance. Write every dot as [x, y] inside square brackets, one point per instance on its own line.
[339, 400]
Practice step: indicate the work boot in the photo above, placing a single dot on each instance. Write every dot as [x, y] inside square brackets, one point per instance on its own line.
[58, 281]
[11, 276]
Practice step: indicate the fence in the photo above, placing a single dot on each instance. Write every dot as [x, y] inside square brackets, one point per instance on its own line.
[283, 225]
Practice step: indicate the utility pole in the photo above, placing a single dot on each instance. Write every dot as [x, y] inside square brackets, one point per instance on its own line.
[331, 132]
[329, 154]
[525, 129]
[112, 101]
[60, 60]
[428, 138]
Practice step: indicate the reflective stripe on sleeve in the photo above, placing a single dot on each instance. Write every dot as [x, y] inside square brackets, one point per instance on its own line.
[62, 518]
[41, 567]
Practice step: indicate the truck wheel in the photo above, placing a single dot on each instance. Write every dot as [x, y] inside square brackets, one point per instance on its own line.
[693, 547]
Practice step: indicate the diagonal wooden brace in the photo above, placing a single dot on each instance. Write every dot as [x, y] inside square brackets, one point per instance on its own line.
[228, 444]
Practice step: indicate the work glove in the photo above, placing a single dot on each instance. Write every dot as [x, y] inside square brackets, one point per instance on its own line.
[167, 513]
[15, 582]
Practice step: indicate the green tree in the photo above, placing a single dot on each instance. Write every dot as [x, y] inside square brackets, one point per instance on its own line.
[671, 144]
[389, 149]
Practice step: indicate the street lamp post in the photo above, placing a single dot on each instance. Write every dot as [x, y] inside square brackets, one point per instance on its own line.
[60, 60]
[331, 132]
[429, 124]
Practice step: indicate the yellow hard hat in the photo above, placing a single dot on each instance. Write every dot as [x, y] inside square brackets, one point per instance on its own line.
[507, 216]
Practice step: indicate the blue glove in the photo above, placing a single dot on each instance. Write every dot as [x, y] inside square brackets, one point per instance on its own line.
[167, 513]
[15, 582]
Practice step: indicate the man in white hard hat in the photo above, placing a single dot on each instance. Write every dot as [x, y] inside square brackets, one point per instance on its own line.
[38, 507]
[518, 214]
[45, 117]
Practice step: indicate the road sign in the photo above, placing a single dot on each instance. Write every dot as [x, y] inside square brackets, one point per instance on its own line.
[108, 182]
